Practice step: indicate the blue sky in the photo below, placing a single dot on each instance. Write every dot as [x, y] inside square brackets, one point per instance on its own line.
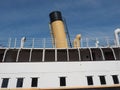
[30, 18]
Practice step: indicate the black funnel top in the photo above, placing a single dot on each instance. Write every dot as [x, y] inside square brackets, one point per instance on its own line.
[55, 15]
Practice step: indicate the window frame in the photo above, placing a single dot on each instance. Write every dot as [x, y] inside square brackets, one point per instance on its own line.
[102, 80]
[5, 82]
[115, 79]
[62, 81]
[19, 82]
[34, 83]
[90, 80]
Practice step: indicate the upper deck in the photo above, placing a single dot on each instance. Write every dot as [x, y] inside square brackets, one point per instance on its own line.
[38, 50]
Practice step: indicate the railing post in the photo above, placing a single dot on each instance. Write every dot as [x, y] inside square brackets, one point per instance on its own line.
[44, 42]
[15, 42]
[18, 53]
[87, 43]
[81, 41]
[107, 41]
[91, 54]
[33, 40]
[103, 57]
[113, 53]
[4, 55]
[9, 43]
[68, 59]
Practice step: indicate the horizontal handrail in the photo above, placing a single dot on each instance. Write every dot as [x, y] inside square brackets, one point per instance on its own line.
[47, 42]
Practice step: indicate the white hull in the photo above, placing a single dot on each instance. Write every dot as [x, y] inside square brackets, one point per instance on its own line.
[48, 73]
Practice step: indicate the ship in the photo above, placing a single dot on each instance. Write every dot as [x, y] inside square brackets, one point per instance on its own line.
[62, 66]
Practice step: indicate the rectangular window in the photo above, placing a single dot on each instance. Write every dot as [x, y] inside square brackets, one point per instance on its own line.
[34, 82]
[5, 83]
[19, 82]
[90, 80]
[62, 81]
[115, 79]
[102, 80]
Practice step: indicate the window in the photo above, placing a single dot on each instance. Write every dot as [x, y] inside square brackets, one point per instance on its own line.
[115, 79]
[19, 82]
[11, 57]
[61, 54]
[85, 54]
[108, 54]
[102, 80]
[49, 55]
[5, 83]
[36, 55]
[90, 80]
[62, 81]
[34, 82]
[96, 54]
[73, 54]
[24, 55]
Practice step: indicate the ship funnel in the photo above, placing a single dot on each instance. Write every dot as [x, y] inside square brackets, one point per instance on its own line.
[58, 30]
[76, 41]
[117, 32]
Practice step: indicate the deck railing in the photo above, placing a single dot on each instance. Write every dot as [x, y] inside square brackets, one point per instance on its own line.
[47, 42]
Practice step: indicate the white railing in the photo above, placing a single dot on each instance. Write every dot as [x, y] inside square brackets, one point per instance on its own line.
[97, 42]
[47, 42]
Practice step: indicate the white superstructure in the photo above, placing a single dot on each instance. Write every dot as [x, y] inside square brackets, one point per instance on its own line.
[48, 74]
[78, 68]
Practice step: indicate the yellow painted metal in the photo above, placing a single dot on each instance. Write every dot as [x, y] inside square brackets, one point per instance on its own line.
[59, 35]
[76, 41]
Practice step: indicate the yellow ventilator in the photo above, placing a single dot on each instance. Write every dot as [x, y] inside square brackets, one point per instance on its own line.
[76, 41]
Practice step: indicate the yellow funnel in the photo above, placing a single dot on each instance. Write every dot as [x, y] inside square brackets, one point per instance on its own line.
[58, 30]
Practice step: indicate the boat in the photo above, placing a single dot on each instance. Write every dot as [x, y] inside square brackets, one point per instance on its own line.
[61, 67]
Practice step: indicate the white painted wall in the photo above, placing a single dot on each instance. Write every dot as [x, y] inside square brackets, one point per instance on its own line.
[49, 72]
